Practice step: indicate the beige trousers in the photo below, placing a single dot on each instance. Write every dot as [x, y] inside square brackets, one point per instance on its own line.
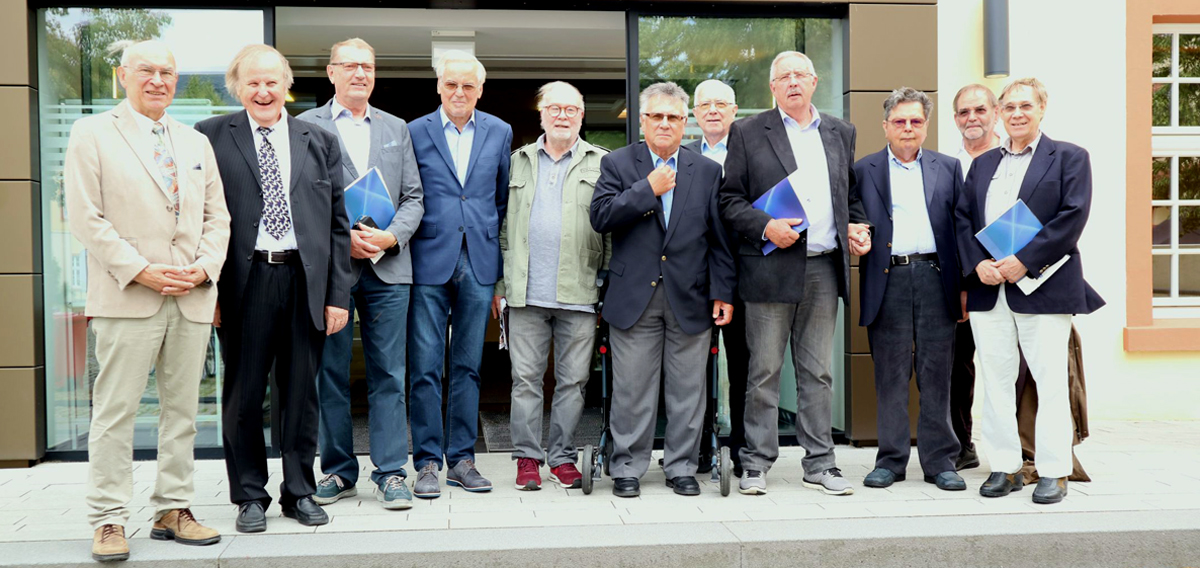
[127, 349]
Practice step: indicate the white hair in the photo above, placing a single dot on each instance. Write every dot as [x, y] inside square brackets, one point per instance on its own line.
[666, 89]
[128, 48]
[786, 54]
[557, 85]
[455, 55]
[717, 88]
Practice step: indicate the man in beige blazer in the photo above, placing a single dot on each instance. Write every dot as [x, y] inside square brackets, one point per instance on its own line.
[144, 197]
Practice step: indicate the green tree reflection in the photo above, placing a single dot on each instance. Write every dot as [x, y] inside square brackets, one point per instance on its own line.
[84, 46]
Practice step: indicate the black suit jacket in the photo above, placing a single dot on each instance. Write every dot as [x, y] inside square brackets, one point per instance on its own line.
[1058, 189]
[317, 209]
[691, 253]
[760, 156]
[942, 177]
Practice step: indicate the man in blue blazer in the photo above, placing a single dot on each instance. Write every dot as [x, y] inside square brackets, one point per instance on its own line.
[463, 157]
[1054, 179]
[671, 278]
[910, 291]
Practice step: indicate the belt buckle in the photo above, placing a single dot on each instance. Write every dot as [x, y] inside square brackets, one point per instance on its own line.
[271, 257]
[901, 260]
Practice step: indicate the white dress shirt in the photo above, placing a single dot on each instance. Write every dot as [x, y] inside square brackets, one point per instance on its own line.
[355, 134]
[964, 157]
[459, 143]
[281, 143]
[715, 153]
[912, 232]
[1006, 182]
[146, 128]
[813, 190]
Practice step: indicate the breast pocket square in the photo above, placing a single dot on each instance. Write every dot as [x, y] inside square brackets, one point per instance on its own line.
[197, 167]
[390, 144]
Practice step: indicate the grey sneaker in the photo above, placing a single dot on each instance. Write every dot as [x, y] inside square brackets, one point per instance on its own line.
[393, 493]
[333, 488]
[753, 482]
[426, 486]
[464, 475]
[829, 482]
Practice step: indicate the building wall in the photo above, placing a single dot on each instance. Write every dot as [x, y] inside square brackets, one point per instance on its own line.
[1081, 59]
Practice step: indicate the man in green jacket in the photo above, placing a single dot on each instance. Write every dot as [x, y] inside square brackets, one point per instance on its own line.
[552, 258]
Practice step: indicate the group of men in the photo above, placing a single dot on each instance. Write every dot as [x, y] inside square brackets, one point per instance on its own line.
[255, 239]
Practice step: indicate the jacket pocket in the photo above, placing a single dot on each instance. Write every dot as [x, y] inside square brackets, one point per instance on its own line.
[426, 231]
[493, 231]
[616, 267]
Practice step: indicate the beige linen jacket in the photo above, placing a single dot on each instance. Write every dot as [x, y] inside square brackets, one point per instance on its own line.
[121, 210]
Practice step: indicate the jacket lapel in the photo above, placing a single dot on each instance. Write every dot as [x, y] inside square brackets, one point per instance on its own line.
[777, 136]
[376, 142]
[1043, 157]
[683, 186]
[324, 119]
[929, 174]
[243, 137]
[299, 146]
[128, 128]
[881, 172]
[987, 165]
[833, 157]
[481, 128]
[433, 123]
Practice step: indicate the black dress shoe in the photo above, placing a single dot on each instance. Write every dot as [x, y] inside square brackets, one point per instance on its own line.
[966, 460]
[251, 518]
[684, 485]
[626, 487]
[306, 512]
[1000, 484]
[1050, 490]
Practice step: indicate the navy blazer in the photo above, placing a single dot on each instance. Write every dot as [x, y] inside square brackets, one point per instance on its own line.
[453, 210]
[691, 253]
[942, 176]
[1058, 189]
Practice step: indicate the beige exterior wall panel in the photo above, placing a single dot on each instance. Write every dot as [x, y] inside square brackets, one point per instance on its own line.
[18, 66]
[862, 427]
[19, 145]
[879, 60]
[21, 336]
[22, 431]
[20, 227]
[865, 110]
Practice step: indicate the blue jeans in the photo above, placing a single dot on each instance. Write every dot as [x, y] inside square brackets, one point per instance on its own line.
[383, 317]
[465, 304]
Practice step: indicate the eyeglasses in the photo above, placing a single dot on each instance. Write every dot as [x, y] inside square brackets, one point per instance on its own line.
[467, 88]
[555, 111]
[672, 119]
[351, 67]
[719, 105]
[1012, 107]
[904, 122]
[800, 76]
[145, 72]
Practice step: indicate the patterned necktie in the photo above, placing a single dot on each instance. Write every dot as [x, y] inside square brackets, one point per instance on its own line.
[166, 164]
[276, 217]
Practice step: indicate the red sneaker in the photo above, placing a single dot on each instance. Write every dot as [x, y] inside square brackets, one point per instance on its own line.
[566, 476]
[528, 478]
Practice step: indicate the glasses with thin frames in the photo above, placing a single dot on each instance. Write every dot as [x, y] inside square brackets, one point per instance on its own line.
[904, 122]
[146, 72]
[1012, 107]
[351, 67]
[467, 88]
[555, 111]
[657, 117]
[719, 105]
[800, 76]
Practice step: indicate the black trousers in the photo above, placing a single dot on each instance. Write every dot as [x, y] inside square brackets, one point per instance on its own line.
[962, 385]
[737, 359]
[914, 312]
[274, 329]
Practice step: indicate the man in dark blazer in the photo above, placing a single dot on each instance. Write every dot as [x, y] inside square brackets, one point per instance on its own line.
[672, 271]
[910, 293]
[1054, 179]
[285, 284]
[463, 157]
[382, 272]
[792, 293]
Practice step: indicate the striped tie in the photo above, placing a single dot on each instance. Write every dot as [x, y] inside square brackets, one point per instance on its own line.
[166, 164]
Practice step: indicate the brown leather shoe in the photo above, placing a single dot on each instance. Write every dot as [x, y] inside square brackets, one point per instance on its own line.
[182, 527]
[109, 544]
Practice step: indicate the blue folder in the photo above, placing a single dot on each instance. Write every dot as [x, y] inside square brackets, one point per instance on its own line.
[780, 202]
[368, 195]
[1010, 232]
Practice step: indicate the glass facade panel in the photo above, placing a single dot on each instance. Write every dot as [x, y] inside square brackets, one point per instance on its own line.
[1161, 54]
[1162, 275]
[1161, 176]
[1161, 226]
[1160, 104]
[1189, 55]
[77, 70]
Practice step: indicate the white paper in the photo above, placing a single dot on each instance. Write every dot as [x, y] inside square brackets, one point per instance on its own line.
[1029, 285]
[503, 323]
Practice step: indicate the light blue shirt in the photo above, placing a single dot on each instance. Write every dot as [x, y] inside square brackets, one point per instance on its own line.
[355, 134]
[912, 233]
[459, 143]
[715, 153]
[668, 198]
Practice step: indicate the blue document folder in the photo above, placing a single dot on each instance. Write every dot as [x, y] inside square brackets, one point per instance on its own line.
[1010, 232]
[780, 202]
[369, 196]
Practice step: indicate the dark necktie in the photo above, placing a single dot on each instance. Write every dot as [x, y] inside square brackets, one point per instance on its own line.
[276, 217]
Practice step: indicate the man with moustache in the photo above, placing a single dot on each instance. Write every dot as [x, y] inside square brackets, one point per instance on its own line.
[382, 274]
[286, 281]
[144, 198]
[463, 157]
[551, 259]
[792, 294]
[672, 271]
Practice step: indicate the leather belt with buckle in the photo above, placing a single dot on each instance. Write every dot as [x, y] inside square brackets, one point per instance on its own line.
[906, 259]
[812, 254]
[275, 256]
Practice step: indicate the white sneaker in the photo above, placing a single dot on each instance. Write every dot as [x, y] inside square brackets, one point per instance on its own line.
[829, 482]
[753, 482]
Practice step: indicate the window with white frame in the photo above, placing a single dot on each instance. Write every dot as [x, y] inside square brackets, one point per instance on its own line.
[1175, 208]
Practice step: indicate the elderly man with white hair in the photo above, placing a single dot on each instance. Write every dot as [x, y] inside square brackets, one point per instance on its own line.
[714, 107]
[463, 158]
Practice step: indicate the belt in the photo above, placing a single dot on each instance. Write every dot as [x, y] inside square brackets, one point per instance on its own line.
[905, 259]
[822, 253]
[275, 256]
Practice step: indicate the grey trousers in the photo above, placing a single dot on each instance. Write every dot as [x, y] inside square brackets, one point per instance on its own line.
[914, 312]
[530, 330]
[640, 354]
[809, 325]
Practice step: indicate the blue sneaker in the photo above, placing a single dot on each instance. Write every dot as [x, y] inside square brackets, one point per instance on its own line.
[333, 488]
[394, 493]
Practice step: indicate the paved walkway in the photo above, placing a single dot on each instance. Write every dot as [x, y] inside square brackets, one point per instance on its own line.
[1147, 478]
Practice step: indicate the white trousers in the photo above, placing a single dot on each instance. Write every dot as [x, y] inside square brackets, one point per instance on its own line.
[1043, 339]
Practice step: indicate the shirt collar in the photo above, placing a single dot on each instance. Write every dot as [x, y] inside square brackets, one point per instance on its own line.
[722, 145]
[654, 158]
[280, 127]
[789, 121]
[144, 122]
[541, 146]
[337, 110]
[1006, 147]
[892, 159]
[446, 119]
